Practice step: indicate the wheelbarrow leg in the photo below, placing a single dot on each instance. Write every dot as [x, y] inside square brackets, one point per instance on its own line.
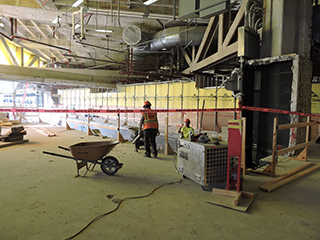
[81, 164]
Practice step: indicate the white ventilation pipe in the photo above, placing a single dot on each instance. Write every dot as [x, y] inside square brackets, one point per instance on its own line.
[177, 36]
[165, 39]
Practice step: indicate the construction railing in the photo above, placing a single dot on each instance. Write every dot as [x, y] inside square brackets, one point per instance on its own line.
[271, 168]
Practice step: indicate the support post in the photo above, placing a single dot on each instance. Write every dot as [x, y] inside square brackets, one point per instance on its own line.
[89, 132]
[167, 148]
[271, 168]
[119, 136]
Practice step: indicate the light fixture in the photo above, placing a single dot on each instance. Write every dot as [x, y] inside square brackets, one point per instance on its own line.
[104, 30]
[77, 3]
[1, 25]
[56, 20]
[77, 26]
[149, 2]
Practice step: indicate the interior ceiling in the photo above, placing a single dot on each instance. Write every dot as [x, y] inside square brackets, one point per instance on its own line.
[55, 43]
[29, 23]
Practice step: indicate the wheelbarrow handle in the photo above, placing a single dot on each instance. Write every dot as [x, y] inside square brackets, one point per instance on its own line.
[76, 159]
[67, 149]
[58, 155]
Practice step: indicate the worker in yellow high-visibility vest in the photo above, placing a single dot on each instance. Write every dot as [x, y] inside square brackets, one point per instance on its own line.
[150, 128]
[186, 130]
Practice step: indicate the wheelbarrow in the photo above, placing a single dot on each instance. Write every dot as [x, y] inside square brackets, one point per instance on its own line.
[92, 152]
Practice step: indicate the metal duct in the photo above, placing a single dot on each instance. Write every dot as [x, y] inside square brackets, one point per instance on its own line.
[165, 39]
[181, 36]
[133, 36]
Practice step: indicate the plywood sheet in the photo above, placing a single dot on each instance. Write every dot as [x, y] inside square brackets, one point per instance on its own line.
[228, 202]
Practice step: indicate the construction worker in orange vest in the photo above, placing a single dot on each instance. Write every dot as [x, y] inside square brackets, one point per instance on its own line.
[149, 121]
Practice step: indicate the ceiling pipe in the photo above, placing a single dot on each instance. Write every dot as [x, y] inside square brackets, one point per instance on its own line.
[29, 40]
[88, 58]
[131, 14]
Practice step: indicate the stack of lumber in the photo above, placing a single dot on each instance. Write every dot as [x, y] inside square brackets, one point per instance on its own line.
[5, 122]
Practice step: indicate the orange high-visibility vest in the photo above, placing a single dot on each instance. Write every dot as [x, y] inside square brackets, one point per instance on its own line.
[150, 121]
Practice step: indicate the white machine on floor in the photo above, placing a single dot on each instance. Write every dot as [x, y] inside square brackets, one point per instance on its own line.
[204, 163]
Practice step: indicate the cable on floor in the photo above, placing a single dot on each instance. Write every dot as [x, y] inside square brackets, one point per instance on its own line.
[121, 201]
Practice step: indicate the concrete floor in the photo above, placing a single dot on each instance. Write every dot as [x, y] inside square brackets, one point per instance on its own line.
[41, 198]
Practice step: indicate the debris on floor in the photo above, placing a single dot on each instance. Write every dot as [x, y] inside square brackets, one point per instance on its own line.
[15, 134]
[44, 131]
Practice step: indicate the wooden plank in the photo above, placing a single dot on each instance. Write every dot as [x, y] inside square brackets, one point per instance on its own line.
[248, 194]
[303, 155]
[227, 201]
[167, 149]
[237, 199]
[235, 24]
[38, 28]
[120, 137]
[301, 145]
[225, 52]
[205, 42]
[6, 124]
[296, 125]
[220, 33]
[44, 131]
[201, 116]
[185, 55]
[308, 129]
[26, 28]
[293, 171]
[290, 179]
[224, 192]
[7, 144]
[68, 126]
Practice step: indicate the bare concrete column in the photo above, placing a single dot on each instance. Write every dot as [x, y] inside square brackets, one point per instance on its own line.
[286, 28]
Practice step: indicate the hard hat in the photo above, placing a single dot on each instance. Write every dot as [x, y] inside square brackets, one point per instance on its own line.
[147, 104]
[187, 120]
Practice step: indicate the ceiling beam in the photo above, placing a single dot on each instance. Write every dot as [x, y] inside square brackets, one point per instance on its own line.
[35, 52]
[53, 31]
[98, 78]
[32, 59]
[7, 52]
[39, 30]
[26, 28]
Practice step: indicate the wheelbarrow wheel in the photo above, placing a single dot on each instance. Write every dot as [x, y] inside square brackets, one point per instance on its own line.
[110, 165]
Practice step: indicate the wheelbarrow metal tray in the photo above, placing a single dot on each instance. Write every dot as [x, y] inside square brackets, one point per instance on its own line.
[92, 151]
